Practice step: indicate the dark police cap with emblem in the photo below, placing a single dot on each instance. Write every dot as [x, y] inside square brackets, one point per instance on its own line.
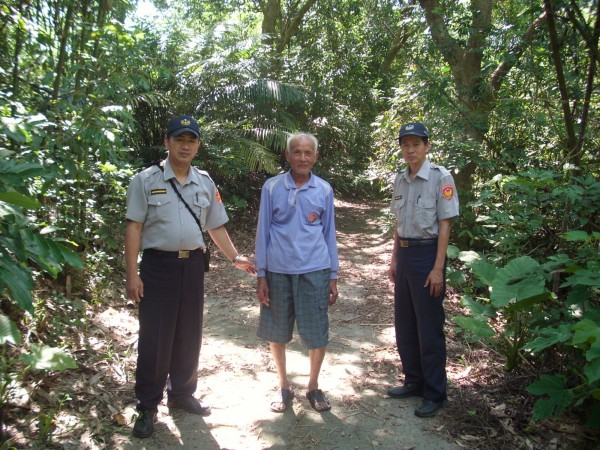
[183, 124]
[415, 129]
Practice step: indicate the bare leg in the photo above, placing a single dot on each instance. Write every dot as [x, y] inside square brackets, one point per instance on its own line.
[278, 352]
[316, 356]
[284, 394]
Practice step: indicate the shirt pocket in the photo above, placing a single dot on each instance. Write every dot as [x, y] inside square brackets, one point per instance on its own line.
[426, 212]
[158, 207]
[200, 208]
[311, 212]
[398, 208]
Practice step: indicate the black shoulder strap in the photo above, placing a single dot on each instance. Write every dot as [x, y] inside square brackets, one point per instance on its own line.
[181, 198]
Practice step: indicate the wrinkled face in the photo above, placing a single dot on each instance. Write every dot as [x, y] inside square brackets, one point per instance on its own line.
[414, 150]
[301, 156]
[182, 149]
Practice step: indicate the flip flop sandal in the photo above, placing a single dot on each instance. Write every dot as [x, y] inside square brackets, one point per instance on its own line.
[315, 397]
[282, 400]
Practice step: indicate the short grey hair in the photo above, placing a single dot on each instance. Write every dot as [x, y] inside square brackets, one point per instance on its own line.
[292, 137]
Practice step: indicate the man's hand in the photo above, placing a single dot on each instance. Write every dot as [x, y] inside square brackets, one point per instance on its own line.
[392, 272]
[435, 281]
[247, 264]
[262, 291]
[135, 288]
[333, 292]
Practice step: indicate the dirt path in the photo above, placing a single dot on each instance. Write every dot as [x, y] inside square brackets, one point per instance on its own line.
[238, 377]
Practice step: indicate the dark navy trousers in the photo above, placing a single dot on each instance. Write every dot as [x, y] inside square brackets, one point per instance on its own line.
[170, 336]
[419, 322]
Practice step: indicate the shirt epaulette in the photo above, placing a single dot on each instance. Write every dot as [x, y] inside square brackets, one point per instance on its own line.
[445, 172]
[205, 173]
[149, 171]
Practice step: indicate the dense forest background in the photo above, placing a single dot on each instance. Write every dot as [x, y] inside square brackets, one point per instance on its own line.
[508, 89]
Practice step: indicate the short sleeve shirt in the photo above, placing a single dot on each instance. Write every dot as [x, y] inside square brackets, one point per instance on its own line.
[167, 223]
[420, 203]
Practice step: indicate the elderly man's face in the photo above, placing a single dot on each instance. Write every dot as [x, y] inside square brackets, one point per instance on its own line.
[301, 156]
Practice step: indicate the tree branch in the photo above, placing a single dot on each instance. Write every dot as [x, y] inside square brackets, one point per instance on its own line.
[513, 55]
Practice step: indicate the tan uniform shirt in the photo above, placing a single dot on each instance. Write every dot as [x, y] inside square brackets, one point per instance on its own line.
[168, 225]
[420, 203]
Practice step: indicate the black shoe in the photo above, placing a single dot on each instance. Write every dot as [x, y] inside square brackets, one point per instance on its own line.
[429, 408]
[144, 424]
[408, 390]
[191, 405]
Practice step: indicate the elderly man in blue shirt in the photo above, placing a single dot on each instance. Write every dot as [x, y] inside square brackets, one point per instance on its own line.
[297, 263]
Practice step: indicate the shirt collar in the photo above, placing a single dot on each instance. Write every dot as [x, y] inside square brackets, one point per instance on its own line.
[168, 173]
[291, 184]
[422, 173]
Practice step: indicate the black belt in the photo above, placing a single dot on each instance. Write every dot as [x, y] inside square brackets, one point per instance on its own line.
[179, 254]
[416, 242]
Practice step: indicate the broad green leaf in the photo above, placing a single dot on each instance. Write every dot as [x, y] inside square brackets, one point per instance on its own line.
[592, 371]
[476, 308]
[469, 257]
[9, 331]
[455, 277]
[528, 303]
[574, 236]
[477, 326]
[70, 257]
[518, 280]
[452, 251]
[19, 282]
[43, 357]
[549, 337]
[485, 271]
[554, 387]
[16, 198]
[542, 409]
[586, 331]
[584, 277]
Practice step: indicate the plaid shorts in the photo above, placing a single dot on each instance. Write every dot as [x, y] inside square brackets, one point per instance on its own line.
[303, 299]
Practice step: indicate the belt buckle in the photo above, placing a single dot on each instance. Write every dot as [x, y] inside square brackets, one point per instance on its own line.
[183, 254]
[403, 243]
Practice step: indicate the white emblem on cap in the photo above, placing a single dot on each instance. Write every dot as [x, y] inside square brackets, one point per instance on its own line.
[409, 127]
[185, 122]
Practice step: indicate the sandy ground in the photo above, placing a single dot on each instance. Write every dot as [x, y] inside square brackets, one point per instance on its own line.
[238, 377]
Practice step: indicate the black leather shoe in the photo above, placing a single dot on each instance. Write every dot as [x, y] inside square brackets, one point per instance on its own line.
[191, 405]
[429, 408]
[144, 424]
[408, 390]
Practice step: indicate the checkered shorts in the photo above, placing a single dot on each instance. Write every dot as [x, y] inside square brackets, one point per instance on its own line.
[303, 299]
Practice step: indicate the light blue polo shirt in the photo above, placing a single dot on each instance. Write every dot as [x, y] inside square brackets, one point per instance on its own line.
[296, 227]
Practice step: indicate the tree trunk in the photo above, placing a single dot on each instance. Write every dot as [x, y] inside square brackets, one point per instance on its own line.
[278, 27]
[62, 59]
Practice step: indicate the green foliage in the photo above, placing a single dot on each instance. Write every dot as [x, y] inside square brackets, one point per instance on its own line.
[520, 316]
[558, 393]
[39, 357]
[23, 241]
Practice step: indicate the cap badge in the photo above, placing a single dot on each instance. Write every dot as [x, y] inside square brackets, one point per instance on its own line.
[185, 122]
[409, 127]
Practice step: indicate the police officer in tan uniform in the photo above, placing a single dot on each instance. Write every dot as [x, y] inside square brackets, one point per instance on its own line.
[170, 285]
[424, 203]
